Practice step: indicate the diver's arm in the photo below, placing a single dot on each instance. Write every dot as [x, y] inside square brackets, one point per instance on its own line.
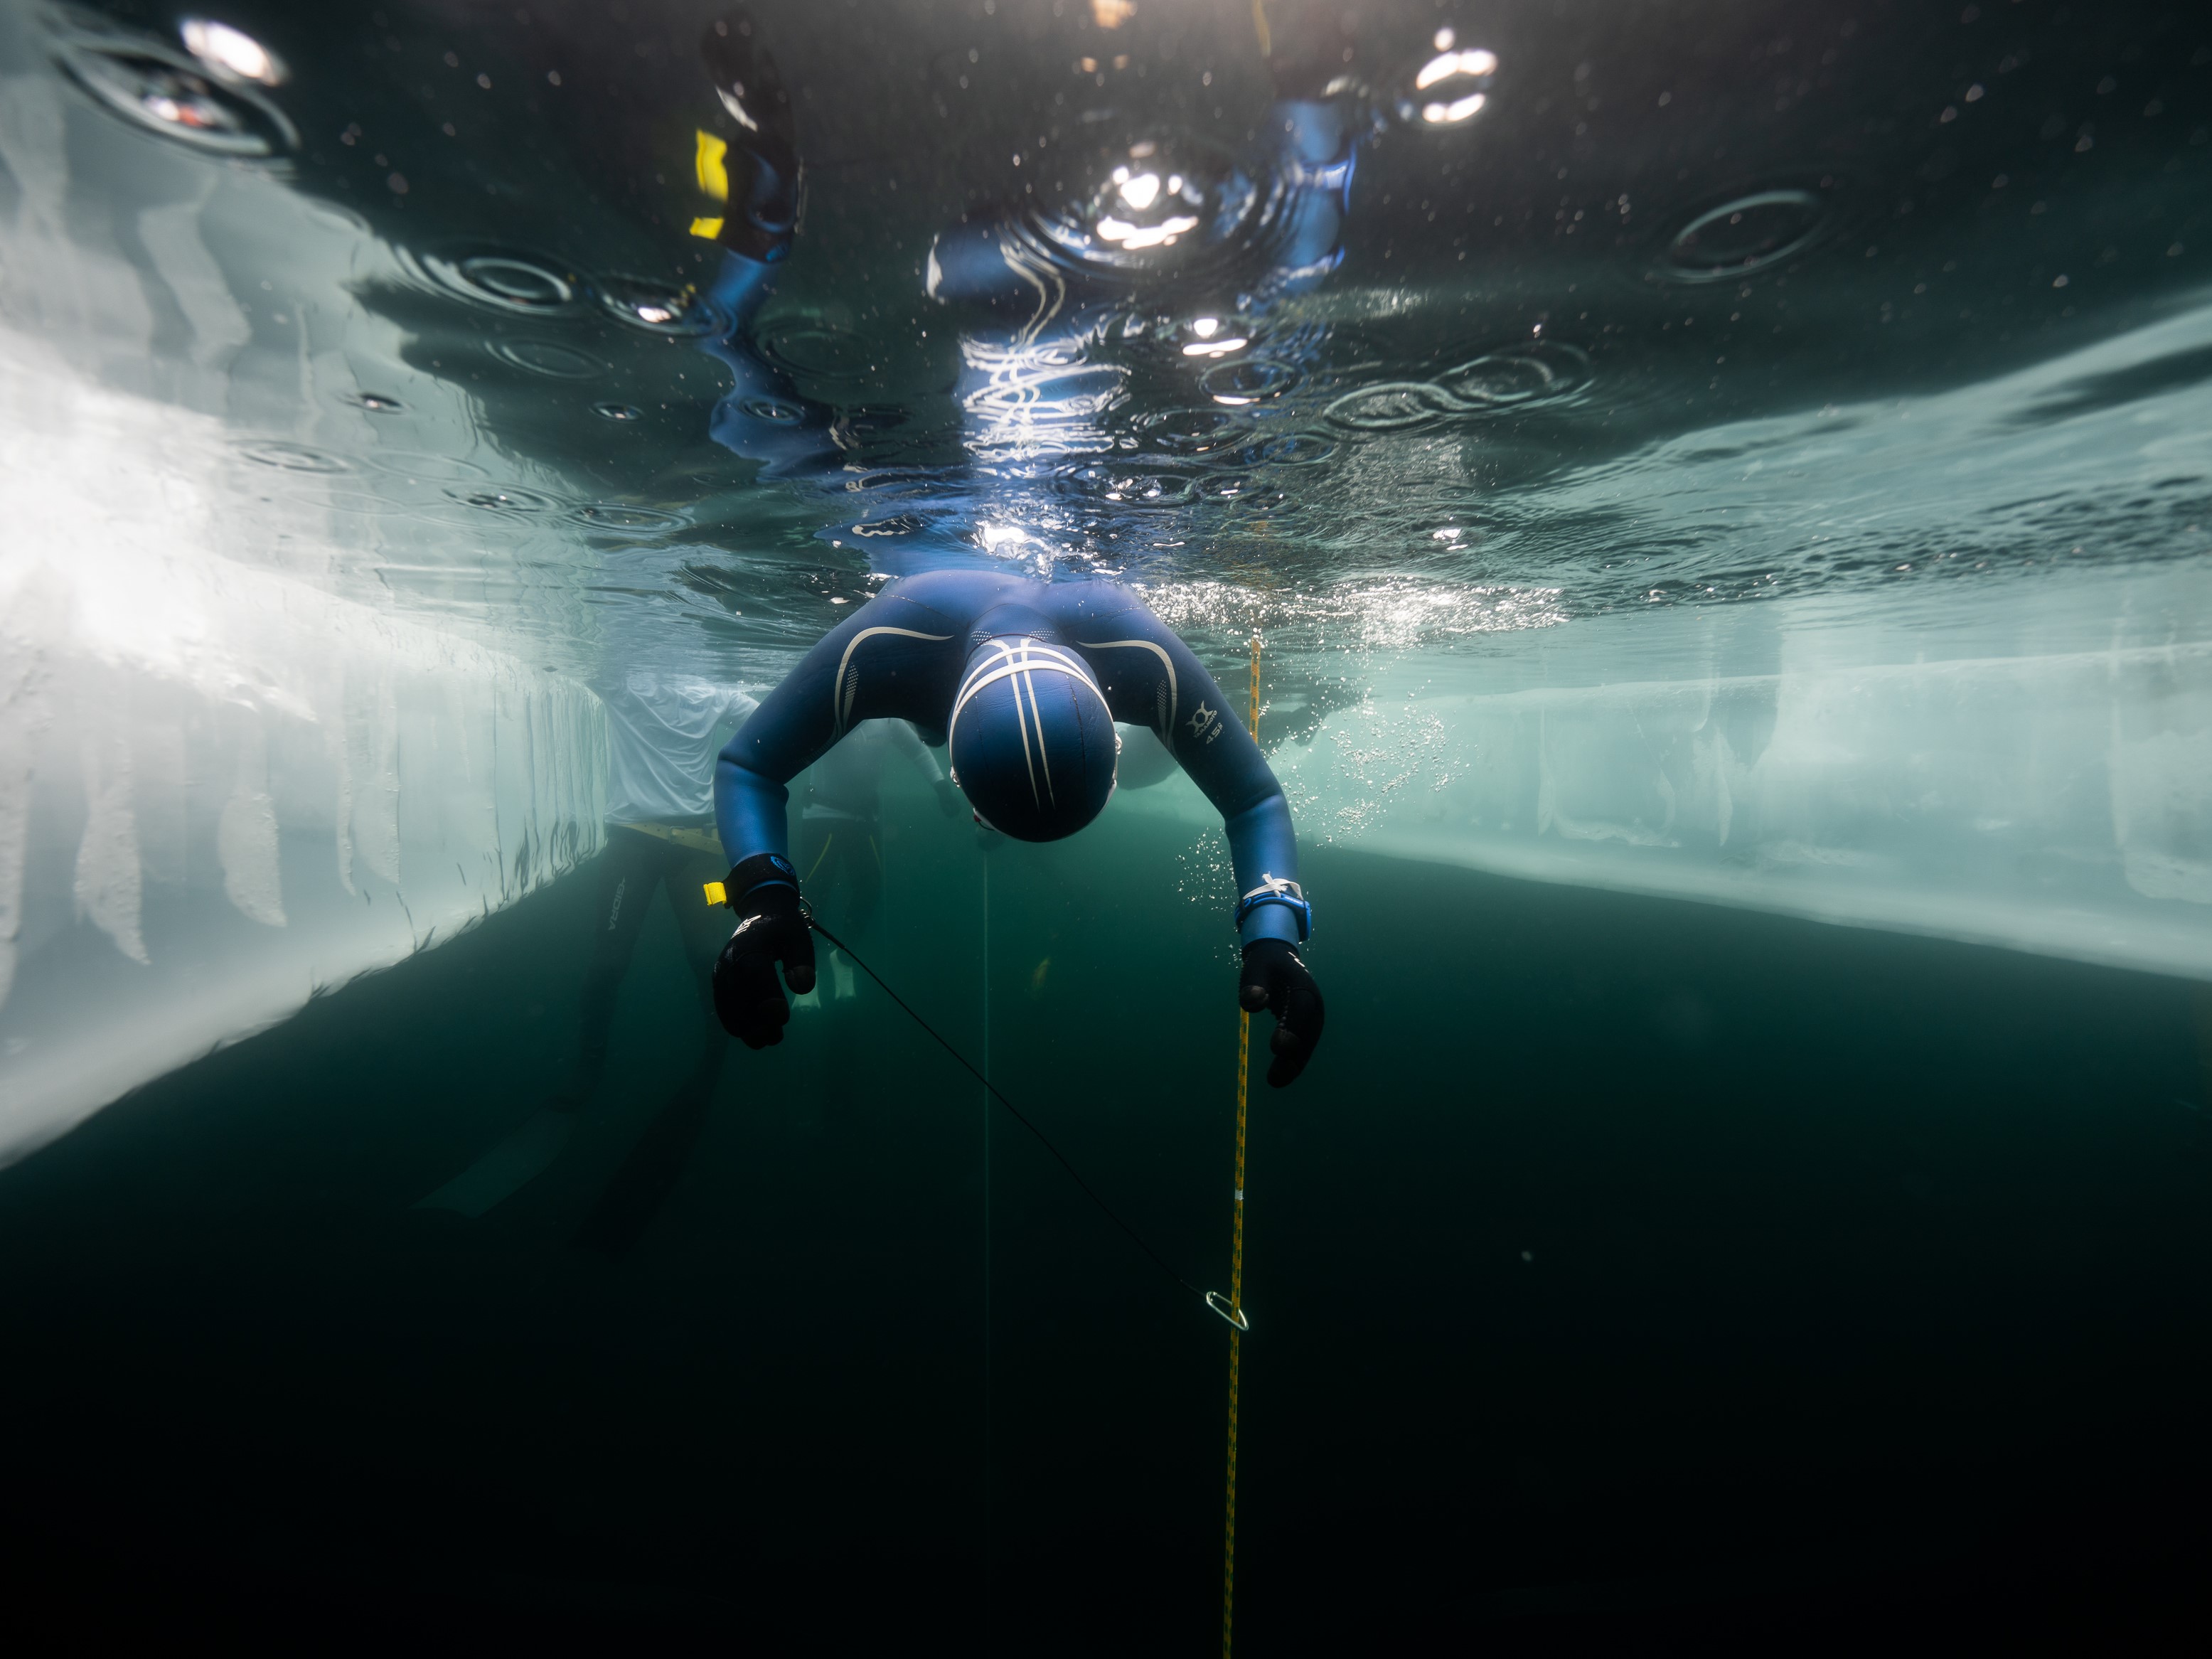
[782, 736]
[1151, 678]
[885, 661]
[779, 740]
[1228, 769]
[738, 706]
[1273, 916]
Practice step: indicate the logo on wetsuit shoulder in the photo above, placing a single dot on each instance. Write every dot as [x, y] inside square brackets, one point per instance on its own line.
[1206, 724]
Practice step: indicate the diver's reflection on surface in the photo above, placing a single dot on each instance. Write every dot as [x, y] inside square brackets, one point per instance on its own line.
[1165, 222]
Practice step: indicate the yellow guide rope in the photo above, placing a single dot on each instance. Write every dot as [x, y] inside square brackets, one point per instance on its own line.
[1236, 1266]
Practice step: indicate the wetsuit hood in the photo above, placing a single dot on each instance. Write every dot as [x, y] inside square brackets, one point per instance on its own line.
[1030, 738]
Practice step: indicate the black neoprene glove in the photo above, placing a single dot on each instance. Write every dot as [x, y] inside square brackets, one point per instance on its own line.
[764, 892]
[1275, 978]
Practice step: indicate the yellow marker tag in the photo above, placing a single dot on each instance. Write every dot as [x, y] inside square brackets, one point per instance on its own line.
[714, 168]
[717, 894]
[707, 229]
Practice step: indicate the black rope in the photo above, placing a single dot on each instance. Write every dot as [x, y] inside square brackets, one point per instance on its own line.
[1135, 1237]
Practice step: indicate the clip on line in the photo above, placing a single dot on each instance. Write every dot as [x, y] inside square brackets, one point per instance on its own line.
[1212, 1299]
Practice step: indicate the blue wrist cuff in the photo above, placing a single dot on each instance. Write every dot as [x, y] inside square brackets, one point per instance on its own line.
[1272, 890]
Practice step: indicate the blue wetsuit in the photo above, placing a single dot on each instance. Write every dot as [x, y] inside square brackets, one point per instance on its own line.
[1032, 389]
[901, 656]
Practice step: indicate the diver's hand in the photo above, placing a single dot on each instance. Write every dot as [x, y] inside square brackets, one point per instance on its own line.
[772, 930]
[1275, 978]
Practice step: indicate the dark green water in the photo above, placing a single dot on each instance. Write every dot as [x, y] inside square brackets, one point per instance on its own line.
[1644, 1274]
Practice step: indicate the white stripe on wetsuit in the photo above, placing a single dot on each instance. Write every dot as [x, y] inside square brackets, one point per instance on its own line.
[840, 699]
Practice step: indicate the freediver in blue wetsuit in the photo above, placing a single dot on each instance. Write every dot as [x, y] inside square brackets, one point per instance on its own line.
[1026, 679]
[1022, 682]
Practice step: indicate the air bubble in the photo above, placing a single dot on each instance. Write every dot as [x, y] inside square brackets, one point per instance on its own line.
[510, 499]
[151, 84]
[1746, 234]
[548, 357]
[377, 403]
[1129, 485]
[659, 309]
[617, 411]
[1298, 449]
[517, 281]
[292, 458]
[507, 279]
[1250, 380]
[631, 520]
[1545, 372]
[770, 409]
[1497, 380]
[1197, 433]
[813, 352]
[1392, 406]
[1522, 377]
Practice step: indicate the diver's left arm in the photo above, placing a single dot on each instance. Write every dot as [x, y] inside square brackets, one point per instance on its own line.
[1154, 676]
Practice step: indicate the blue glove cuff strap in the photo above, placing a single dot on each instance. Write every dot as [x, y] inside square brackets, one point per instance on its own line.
[1272, 890]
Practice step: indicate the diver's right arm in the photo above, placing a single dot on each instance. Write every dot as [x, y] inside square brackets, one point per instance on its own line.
[780, 740]
[882, 660]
